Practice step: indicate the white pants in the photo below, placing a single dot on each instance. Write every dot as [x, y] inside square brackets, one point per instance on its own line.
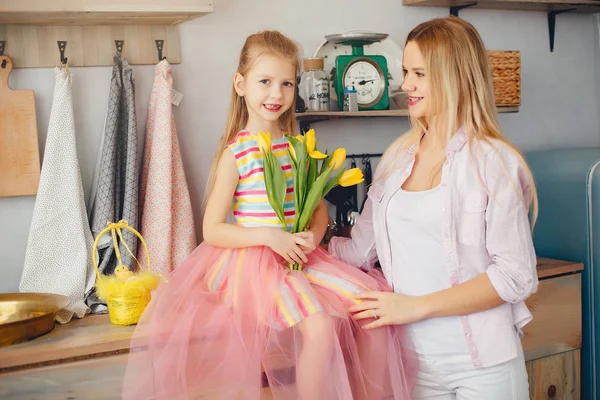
[455, 378]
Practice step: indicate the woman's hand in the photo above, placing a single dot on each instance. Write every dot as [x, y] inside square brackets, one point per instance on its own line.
[288, 245]
[388, 309]
[309, 236]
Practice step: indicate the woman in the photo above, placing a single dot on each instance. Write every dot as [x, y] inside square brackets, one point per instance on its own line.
[448, 220]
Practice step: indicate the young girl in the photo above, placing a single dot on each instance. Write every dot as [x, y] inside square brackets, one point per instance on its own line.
[233, 309]
[447, 217]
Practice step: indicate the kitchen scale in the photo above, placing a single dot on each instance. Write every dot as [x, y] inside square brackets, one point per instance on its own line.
[367, 73]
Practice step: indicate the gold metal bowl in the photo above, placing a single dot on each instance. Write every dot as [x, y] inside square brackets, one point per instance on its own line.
[24, 316]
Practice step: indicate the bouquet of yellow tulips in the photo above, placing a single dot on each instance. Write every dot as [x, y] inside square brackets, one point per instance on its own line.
[311, 180]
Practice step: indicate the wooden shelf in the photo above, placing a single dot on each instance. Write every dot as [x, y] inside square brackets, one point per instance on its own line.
[551, 7]
[102, 12]
[581, 6]
[316, 116]
[31, 30]
[100, 18]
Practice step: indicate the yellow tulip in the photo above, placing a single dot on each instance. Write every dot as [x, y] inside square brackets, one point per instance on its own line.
[264, 141]
[317, 155]
[292, 152]
[337, 158]
[300, 138]
[311, 140]
[351, 177]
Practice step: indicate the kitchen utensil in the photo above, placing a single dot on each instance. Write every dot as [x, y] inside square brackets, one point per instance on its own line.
[19, 151]
[24, 316]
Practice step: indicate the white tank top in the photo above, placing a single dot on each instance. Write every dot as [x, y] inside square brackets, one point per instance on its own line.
[415, 232]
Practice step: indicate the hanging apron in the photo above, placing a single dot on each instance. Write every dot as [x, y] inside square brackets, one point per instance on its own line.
[58, 255]
[116, 184]
[167, 220]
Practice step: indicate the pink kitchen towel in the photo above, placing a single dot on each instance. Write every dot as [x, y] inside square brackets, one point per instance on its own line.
[167, 221]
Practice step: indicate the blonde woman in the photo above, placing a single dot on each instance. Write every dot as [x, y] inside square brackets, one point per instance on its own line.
[448, 220]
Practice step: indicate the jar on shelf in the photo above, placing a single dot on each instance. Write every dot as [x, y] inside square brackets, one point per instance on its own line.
[314, 85]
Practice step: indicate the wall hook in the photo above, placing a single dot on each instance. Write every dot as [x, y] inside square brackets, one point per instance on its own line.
[552, 24]
[159, 47]
[62, 45]
[119, 45]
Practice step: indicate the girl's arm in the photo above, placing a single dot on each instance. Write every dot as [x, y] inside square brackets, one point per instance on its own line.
[316, 230]
[217, 232]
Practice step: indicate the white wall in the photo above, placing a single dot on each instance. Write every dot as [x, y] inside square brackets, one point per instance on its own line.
[560, 102]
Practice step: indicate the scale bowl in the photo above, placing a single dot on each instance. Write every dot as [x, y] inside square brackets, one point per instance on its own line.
[356, 35]
[24, 316]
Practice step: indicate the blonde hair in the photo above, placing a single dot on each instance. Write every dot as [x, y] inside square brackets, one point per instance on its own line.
[256, 45]
[461, 92]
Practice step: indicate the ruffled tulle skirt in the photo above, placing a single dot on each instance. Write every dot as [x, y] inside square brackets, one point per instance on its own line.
[237, 324]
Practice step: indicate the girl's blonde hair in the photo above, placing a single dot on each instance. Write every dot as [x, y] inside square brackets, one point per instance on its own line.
[460, 91]
[256, 45]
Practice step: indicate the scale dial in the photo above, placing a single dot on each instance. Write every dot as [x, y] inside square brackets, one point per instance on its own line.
[367, 78]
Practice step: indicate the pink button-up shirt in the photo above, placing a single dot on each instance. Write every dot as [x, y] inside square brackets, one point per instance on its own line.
[485, 228]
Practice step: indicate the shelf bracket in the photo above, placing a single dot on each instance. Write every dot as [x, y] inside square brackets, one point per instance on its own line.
[455, 9]
[552, 24]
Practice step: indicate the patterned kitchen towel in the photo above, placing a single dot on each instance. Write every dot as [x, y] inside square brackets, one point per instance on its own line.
[117, 182]
[167, 221]
[58, 255]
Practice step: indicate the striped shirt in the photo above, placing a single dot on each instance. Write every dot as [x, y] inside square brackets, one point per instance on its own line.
[250, 203]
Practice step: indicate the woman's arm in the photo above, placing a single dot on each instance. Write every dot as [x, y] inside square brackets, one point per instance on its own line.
[217, 232]
[358, 250]
[511, 277]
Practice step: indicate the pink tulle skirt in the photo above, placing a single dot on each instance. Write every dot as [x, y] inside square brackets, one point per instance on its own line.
[237, 324]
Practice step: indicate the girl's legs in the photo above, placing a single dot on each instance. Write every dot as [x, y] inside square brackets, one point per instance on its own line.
[316, 357]
[367, 383]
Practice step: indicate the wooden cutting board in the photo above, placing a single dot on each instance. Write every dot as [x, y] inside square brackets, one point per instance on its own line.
[19, 151]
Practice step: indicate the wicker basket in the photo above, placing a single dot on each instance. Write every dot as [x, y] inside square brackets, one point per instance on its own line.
[126, 301]
[506, 75]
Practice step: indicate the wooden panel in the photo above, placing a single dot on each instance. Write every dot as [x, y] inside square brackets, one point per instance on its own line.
[80, 338]
[556, 324]
[148, 5]
[83, 380]
[36, 46]
[91, 5]
[19, 151]
[95, 379]
[558, 375]
[101, 12]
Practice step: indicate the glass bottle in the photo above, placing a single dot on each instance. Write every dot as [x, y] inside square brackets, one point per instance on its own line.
[314, 85]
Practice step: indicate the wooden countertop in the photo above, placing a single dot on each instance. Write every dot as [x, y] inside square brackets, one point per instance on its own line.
[94, 336]
[547, 267]
[89, 337]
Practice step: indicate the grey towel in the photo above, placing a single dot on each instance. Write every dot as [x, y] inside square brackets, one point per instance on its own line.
[116, 189]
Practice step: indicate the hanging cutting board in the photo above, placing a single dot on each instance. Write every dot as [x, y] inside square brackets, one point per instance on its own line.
[19, 151]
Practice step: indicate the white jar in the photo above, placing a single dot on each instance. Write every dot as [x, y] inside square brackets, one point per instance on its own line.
[314, 85]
